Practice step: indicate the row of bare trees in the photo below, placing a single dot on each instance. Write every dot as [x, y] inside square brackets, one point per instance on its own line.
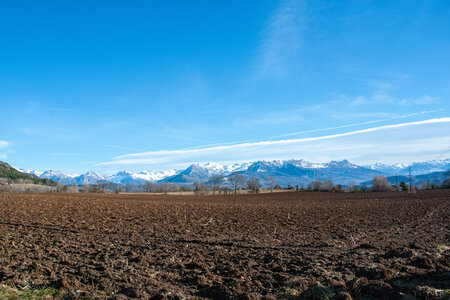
[219, 184]
[379, 184]
[236, 182]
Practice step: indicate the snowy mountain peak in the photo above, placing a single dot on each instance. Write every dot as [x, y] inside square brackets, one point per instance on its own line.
[50, 173]
[32, 172]
[139, 177]
[92, 173]
[301, 163]
[387, 169]
[216, 168]
[341, 164]
[213, 167]
[58, 176]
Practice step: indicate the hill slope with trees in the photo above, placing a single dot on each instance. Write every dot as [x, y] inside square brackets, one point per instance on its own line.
[8, 172]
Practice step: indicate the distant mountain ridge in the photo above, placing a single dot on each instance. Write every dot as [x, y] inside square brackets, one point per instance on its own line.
[293, 172]
[435, 178]
[417, 168]
[121, 177]
[284, 172]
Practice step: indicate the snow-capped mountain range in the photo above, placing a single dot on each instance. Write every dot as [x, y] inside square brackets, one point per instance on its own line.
[121, 177]
[284, 172]
[417, 168]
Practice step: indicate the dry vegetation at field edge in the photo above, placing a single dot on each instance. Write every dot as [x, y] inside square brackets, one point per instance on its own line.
[282, 245]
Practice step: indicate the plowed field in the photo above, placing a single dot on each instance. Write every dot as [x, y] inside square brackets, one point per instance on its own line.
[280, 245]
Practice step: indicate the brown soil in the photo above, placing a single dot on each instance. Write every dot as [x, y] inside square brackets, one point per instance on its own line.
[280, 245]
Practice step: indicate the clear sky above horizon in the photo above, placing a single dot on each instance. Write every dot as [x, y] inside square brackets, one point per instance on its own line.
[154, 85]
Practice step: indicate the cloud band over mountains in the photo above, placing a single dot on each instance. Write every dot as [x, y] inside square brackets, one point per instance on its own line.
[396, 142]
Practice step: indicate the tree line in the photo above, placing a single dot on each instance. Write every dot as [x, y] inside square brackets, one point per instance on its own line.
[236, 182]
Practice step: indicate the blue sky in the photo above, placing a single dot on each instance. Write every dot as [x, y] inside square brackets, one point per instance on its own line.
[154, 85]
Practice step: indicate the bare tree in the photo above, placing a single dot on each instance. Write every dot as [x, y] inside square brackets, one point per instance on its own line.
[226, 190]
[164, 187]
[75, 187]
[86, 188]
[174, 187]
[196, 188]
[424, 185]
[253, 184]
[154, 187]
[128, 187]
[110, 186]
[71, 188]
[350, 188]
[380, 184]
[327, 185]
[147, 186]
[270, 182]
[101, 186]
[216, 181]
[237, 181]
[200, 189]
[315, 185]
[59, 187]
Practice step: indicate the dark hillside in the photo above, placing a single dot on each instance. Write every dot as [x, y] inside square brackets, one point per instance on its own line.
[8, 172]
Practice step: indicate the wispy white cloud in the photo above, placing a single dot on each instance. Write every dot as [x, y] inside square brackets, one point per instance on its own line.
[387, 99]
[359, 123]
[4, 144]
[39, 107]
[382, 94]
[119, 147]
[285, 142]
[424, 100]
[281, 38]
[427, 137]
